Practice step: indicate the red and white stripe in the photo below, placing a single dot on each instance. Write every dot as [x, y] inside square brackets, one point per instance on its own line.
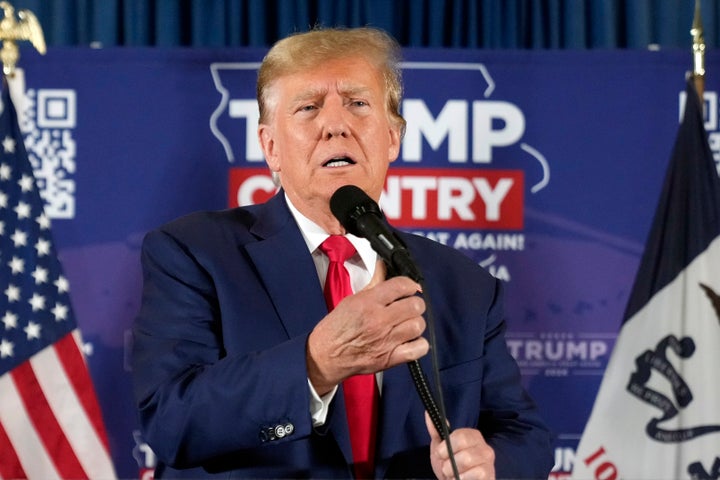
[50, 421]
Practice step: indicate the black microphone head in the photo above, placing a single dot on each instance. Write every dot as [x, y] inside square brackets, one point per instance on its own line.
[349, 203]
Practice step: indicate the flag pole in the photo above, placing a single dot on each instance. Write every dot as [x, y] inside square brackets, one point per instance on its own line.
[698, 48]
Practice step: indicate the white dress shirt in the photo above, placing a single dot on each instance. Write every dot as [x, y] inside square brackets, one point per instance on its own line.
[361, 268]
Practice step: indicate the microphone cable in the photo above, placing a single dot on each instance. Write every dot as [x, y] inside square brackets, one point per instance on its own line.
[434, 406]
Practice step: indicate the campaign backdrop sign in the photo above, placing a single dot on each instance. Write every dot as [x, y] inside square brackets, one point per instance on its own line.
[543, 167]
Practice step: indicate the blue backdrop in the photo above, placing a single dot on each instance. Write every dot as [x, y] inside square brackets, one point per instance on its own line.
[544, 167]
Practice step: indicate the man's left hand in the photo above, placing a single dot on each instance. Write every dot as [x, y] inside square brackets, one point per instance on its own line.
[475, 459]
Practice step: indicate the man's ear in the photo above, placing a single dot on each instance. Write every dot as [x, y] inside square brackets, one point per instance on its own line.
[395, 141]
[267, 144]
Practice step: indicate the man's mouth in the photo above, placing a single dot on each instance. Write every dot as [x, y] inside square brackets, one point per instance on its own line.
[339, 162]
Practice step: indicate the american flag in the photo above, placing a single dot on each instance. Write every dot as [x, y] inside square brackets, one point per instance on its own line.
[50, 421]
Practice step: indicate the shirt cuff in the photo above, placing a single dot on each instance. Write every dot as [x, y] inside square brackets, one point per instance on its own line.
[319, 406]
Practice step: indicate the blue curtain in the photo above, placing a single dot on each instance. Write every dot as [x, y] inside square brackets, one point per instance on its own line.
[496, 24]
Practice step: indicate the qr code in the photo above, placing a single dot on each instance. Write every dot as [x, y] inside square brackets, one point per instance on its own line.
[47, 124]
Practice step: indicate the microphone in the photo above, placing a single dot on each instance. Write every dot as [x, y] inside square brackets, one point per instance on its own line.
[361, 216]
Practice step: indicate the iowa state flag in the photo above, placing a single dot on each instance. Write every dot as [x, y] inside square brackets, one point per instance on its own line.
[657, 414]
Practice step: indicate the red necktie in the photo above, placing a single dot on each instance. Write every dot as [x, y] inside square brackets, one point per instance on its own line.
[361, 393]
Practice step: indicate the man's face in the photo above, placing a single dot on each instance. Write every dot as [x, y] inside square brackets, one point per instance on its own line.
[329, 127]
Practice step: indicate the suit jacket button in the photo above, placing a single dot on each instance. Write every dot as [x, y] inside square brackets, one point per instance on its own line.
[279, 431]
[268, 434]
[289, 429]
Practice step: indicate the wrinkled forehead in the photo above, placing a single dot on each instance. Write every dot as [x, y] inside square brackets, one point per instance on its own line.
[349, 76]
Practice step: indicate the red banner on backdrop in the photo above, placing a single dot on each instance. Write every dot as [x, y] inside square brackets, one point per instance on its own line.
[422, 197]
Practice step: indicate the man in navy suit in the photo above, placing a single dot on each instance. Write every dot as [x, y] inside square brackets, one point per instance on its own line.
[238, 365]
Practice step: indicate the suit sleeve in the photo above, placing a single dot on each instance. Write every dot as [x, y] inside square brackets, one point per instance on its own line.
[482, 385]
[509, 419]
[197, 401]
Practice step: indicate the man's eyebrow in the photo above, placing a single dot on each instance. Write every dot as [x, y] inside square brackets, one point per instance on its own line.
[351, 90]
[347, 90]
[308, 94]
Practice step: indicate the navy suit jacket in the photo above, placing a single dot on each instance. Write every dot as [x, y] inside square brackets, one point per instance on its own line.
[229, 300]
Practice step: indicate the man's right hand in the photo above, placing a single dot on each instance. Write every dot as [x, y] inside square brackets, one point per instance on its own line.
[372, 330]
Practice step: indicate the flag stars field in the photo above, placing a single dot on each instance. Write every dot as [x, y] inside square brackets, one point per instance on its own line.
[6, 348]
[43, 247]
[22, 210]
[60, 312]
[10, 320]
[17, 265]
[43, 221]
[40, 275]
[26, 183]
[12, 293]
[19, 238]
[62, 284]
[32, 330]
[9, 145]
[37, 302]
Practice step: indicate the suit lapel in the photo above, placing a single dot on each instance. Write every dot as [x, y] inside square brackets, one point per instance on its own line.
[286, 268]
[288, 272]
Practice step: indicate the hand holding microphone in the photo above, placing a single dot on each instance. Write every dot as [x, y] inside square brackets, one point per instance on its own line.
[361, 216]
[351, 330]
[373, 330]
[379, 327]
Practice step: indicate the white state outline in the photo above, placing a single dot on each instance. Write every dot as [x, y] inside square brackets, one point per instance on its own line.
[225, 95]
[488, 91]
[455, 66]
[543, 163]
[488, 261]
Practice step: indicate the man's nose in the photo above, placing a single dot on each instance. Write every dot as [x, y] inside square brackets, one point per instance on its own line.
[335, 122]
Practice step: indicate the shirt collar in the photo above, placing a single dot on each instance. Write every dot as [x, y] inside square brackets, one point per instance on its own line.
[314, 235]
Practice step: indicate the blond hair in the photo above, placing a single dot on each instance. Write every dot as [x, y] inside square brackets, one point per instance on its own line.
[304, 51]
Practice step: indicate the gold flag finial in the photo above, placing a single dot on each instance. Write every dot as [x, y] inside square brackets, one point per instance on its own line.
[698, 51]
[12, 31]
